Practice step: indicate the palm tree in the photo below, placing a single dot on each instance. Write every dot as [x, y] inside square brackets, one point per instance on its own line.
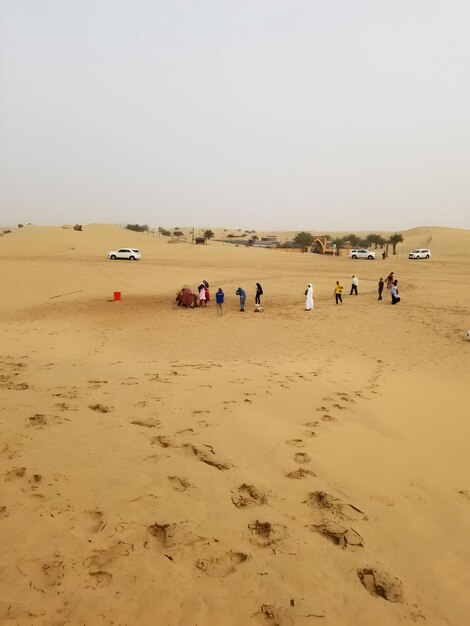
[208, 234]
[395, 239]
[376, 239]
[353, 240]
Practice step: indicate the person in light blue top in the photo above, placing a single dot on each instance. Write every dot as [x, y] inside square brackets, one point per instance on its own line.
[241, 292]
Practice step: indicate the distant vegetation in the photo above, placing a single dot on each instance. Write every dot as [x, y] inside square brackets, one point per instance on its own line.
[78, 227]
[138, 228]
[164, 232]
[20, 225]
[394, 240]
[303, 239]
[177, 233]
[208, 234]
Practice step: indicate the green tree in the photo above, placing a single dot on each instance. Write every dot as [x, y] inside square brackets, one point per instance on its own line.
[337, 243]
[376, 239]
[208, 234]
[164, 232]
[177, 233]
[303, 239]
[353, 239]
[394, 240]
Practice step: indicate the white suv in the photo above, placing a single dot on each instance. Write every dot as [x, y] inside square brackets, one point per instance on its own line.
[124, 253]
[420, 253]
[361, 253]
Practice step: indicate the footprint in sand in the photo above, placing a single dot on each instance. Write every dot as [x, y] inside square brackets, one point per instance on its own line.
[342, 536]
[63, 406]
[94, 521]
[302, 457]
[381, 584]
[102, 558]
[248, 495]
[208, 457]
[222, 566]
[297, 443]
[100, 579]
[100, 408]
[19, 386]
[38, 420]
[14, 474]
[300, 473]
[147, 423]
[163, 441]
[179, 484]
[265, 534]
[324, 502]
[175, 539]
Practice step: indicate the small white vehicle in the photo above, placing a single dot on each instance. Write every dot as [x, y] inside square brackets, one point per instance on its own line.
[132, 254]
[361, 253]
[420, 253]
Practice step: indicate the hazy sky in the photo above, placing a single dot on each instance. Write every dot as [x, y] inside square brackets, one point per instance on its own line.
[315, 114]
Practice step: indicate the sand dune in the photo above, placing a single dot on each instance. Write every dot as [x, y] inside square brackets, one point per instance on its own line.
[162, 465]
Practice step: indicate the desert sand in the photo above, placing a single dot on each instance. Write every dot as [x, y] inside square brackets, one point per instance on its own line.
[161, 465]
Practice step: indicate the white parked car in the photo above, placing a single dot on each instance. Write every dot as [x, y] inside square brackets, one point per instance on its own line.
[361, 253]
[420, 253]
[124, 253]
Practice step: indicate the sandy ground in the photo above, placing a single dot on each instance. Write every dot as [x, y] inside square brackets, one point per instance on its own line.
[165, 466]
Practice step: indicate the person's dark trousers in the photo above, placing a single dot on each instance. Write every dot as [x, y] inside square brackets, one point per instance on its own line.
[257, 299]
[338, 298]
[380, 295]
[353, 290]
[395, 300]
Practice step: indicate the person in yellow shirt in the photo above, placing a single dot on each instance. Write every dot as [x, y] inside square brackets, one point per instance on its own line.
[338, 291]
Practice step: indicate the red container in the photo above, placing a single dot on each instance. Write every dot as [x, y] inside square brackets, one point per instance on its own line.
[117, 295]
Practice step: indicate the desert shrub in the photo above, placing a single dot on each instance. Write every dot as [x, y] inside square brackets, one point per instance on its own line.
[138, 228]
[5, 232]
[78, 227]
[177, 233]
[164, 232]
[20, 225]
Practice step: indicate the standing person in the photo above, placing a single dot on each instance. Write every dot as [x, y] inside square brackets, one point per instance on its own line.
[309, 297]
[338, 291]
[219, 299]
[206, 289]
[354, 285]
[202, 295]
[381, 288]
[241, 292]
[389, 280]
[384, 255]
[394, 292]
[259, 293]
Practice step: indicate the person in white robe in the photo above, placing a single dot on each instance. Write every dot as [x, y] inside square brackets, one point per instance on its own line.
[309, 297]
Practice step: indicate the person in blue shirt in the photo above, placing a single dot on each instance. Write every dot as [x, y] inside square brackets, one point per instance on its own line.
[241, 292]
[219, 300]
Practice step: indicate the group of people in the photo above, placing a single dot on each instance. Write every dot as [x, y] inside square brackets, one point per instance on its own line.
[241, 293]
[187, 298]
[391, 284]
